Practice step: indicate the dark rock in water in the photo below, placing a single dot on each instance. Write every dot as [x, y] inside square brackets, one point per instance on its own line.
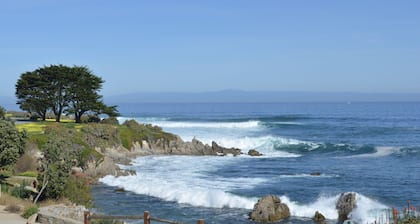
[253, 152]
[269, 209]
[120, 189]
[316, 174]
[345, 204]
[319, 218]
[225, 151]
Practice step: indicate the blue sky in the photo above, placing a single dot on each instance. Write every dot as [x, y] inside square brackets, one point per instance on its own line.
[193, 46]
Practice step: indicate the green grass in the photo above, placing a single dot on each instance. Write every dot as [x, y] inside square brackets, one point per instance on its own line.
[126, 136]
[28, 174]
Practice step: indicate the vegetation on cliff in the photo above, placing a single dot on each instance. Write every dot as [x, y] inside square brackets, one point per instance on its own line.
[65, 145]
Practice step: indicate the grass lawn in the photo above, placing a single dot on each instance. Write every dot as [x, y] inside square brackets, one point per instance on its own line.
[38, 127]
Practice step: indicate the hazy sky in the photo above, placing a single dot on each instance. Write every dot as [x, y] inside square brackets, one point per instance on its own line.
[175, 45]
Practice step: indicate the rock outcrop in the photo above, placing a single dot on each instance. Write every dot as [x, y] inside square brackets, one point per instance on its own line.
[178, 147]
[269, 209]
[253, 152]
[319, 218]
[345, 204]
[61, 214]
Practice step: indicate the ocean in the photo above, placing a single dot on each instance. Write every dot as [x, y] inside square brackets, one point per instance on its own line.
[372, 149]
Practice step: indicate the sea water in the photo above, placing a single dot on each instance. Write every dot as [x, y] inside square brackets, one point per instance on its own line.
[372, 149]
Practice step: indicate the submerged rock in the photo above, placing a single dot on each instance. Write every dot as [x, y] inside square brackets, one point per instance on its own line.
[269, 209]
[315, 174]
[345, 204]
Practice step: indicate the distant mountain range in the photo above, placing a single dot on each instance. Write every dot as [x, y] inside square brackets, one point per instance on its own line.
[237, 96]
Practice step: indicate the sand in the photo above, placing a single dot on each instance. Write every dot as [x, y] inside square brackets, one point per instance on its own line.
[10, 218]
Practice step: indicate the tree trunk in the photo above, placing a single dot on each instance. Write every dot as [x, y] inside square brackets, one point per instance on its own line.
[78, 117]
[59, 112]
[44, 185]
[43, 115]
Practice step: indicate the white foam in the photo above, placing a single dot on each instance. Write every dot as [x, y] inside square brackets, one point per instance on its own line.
[183, 179]
[212, 125]
[305, 175]
[324, 204]
[366, 211]
[380, 151]
[264, 144]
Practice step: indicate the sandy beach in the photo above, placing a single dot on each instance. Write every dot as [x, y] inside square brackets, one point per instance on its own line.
[10, 218]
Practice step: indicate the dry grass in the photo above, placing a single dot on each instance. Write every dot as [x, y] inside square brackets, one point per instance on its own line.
[14, 205]
[48, 202]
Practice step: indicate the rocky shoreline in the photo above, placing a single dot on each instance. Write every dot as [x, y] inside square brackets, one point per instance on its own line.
[120, 155]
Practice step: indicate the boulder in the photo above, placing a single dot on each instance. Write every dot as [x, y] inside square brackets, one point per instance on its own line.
[319, 218]
[61, 214]
[345, 204]
[253, 152]
[269, 209]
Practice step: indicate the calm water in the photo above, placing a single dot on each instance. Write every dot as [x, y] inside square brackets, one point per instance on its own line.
[369, 148]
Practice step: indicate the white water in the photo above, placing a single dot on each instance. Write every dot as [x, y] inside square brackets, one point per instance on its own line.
[366, 211]
[380, 151]
[188, 180]
[183, 179]
[164, 123]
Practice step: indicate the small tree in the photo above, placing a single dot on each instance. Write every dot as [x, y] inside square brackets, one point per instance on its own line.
[59, 157]
[12, 144]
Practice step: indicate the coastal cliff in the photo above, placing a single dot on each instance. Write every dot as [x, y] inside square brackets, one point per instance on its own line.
[118, 144]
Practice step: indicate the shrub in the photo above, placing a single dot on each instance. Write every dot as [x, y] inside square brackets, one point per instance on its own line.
[20, 192]
[29, 211]
[110, 120]
[12, 143]
[77, 190]
[101, 135]
[60, 154]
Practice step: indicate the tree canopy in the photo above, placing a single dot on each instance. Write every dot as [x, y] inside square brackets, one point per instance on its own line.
[62, 89]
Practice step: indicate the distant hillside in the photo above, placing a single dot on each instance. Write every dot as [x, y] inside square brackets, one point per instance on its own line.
[230, 96]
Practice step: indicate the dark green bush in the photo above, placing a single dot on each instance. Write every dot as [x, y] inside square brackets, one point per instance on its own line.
[12, 144]
[20, 192]
[110, 120]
